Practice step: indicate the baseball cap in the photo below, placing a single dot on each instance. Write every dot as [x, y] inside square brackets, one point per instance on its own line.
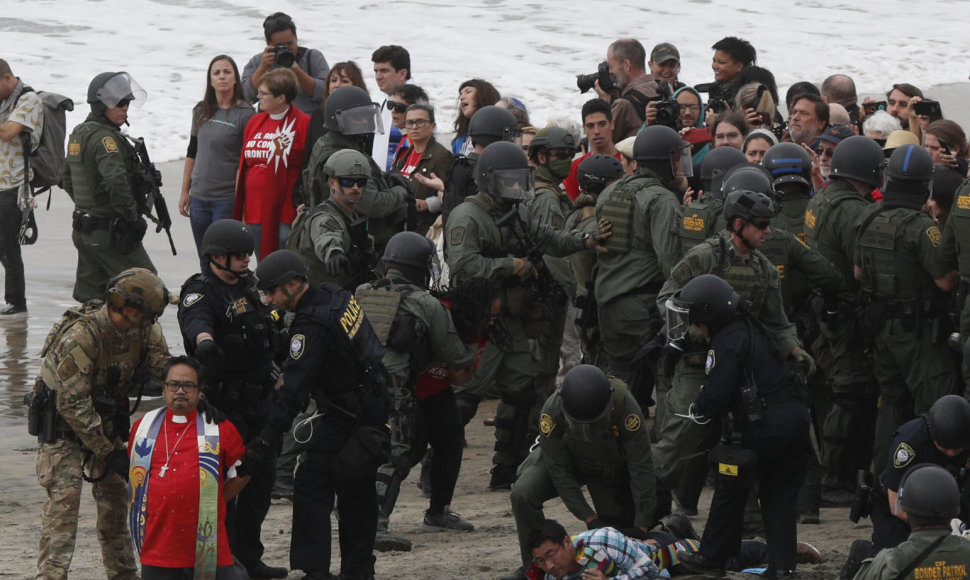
[836, 133]
[664, 52]
[626, 146]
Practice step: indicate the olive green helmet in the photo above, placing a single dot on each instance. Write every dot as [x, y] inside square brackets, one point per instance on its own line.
[138, 288]
[347, 163]
[550, 138]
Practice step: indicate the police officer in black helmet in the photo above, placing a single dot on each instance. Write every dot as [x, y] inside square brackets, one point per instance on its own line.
[235, 336]
[335, 358]
[764, 424]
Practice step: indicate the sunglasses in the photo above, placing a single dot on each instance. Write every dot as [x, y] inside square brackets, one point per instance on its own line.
[397, 107]
[352, 181]
[761, 225]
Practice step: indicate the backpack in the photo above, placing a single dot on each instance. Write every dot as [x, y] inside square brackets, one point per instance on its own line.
[47, 160]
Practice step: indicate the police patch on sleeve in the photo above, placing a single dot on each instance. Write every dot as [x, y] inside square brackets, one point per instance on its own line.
[632, 422]
[903, 456]
[710, 362]
[109, 144]
[933, 233]
[457, 236]
[546, 424]
[191, 298]
[297, 345]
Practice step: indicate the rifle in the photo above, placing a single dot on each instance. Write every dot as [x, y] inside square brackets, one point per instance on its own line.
[146, 187]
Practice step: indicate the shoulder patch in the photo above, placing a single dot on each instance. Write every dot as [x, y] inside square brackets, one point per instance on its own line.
[681, 273]
[67, 369]
[297, 346]
[710, 362]
[457, 236]
[74, 148]
[546, 424]
[558, 222]
[632, 422]
[810, 219]
[903, 456]
[963, 201]
[191, 298]
[933, 233]
[109, 144]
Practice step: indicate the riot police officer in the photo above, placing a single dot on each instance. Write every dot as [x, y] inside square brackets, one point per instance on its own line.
[352, 119]
[228, 329]
[929, 498]
[416, 330]
[592, 433]
[100, 178]
[899, 262]
[701, 218]
[791, 171]
[644, 247]
[956, 248]
[858, 165]
[491, 235]
[335, 358]
[764, 424]
[89, 370]
[331, 237]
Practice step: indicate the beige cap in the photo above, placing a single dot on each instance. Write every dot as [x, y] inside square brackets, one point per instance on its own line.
[900, 138]
[626, 146]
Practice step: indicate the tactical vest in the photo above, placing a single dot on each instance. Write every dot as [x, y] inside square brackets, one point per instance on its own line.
[585, 211]
[819, 219]
[698, 221]
[886, 273]
[741, 274]
[603, 457]
[301, 242]
[514, 239]
[395, 327]
[89, 192]
[791, 218]
[959, 222]
[618, 204]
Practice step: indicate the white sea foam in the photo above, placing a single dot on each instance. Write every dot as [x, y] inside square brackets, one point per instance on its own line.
[532, 50]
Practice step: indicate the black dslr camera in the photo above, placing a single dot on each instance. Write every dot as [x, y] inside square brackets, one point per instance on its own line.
[715, 102]
[602, 74]
[284, 57]
[668, 110]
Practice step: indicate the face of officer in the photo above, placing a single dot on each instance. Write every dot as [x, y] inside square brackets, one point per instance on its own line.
[753, 232]
[347, 190]
[118, 115]
[285, 296]
[557, 559]
[234, 266]
[182, 389]
[948, 452]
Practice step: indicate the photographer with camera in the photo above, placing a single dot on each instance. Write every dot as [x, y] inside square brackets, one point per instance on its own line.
[282, 51]
[626, 85]
[689, 107]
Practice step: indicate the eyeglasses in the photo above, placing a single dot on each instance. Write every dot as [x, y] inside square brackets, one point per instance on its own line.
[174, 386]
[262, 94]
[543, 560]
[761, 225]
[352, 181]
[417, 123]
[826, 152]
[694, 108]
[397, 107]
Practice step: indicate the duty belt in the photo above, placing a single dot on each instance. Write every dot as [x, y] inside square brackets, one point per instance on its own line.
[85, 222]
[777, 396]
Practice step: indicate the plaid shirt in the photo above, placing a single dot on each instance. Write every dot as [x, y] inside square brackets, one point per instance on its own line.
[614, 554]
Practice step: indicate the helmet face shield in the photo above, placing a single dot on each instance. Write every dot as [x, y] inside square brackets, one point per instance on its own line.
[678, 319]
[360, 120]
[122, 87]
[686, 162]
[514, 184]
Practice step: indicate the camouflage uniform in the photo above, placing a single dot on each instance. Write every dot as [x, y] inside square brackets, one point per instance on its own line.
[79, 368]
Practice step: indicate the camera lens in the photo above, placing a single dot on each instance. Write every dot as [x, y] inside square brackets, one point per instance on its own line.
[284, 57]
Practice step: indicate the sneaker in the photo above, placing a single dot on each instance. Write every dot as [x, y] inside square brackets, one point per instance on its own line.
[446, 521]
[11, 310]
[806, 553]
[385, 542]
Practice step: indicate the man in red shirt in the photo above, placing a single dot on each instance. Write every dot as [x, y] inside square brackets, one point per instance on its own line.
[177, 520]
[598, 127]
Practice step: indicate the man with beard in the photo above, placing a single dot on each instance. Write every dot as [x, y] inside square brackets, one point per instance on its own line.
[809, 117]
[633, 87]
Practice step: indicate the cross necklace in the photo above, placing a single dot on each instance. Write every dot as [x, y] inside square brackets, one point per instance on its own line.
[168, 454]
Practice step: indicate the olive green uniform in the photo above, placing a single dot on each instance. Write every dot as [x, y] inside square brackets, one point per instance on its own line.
[583, 219]
[326, 229]
[900, 255]
[700, 220]
[840, 350]
[478, 246]
[615, 466]
[956, 253]
[951, 559]
[98, 177]
[642, 251]
[757, 282]
[80, 369]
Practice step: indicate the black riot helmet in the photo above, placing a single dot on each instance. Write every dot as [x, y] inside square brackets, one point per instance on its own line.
[706, 299]
[929, 495]
[910, 163]
[949, 422]
[490, 124]
[658, 146]
[549, 138]
[788, 163]
[224, 237]
[587, 398]
[749, 177]
[859, 158]
[279, 268]
[410, 253]
[349, 111]
[503, 171]
[109, 89]
[747, 205]
[597, 171]
[715, 164]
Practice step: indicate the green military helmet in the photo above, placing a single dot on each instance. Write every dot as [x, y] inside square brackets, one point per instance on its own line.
[411, 254]
[661, 143]
[859, 158]
[706, 299]
[490, 124]
[949, 422]
[350, 111]
[910, 163]
[747, 205]
[715, 164]
[139, 288]
[788, 163]
[109, 89]
[279, 268]
[597, 171]
[749, 177]
[347, 163]
[549, 138]
[227, 237]
[587, 399]
[929, 495]
[503, 171]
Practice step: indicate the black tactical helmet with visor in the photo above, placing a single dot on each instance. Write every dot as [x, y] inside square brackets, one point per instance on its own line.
[715, 164]
[111, 89]
[706, 299]
[749, 177]
[661, 143]
[411, 254]
[788, 163]
[929, 495]
[587, 401]
[350, 111]
[503, 172]
[859, 158]
[491, 124]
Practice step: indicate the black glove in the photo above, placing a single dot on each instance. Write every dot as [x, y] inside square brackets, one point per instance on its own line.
[208, 352]
[595, 523]
[397, 179]
[213, 415]
[337, 264]
[117, 462]
[258, 452]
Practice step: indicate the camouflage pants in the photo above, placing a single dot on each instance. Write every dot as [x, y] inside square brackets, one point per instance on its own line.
[59, 472]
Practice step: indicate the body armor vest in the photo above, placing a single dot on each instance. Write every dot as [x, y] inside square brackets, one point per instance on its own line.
[742, 275]
[618, 206]
[699, 221]
[886, 273]
[959, 221]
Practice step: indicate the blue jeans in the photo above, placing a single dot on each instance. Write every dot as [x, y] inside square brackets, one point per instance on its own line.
[257, 231]
[202, 213]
